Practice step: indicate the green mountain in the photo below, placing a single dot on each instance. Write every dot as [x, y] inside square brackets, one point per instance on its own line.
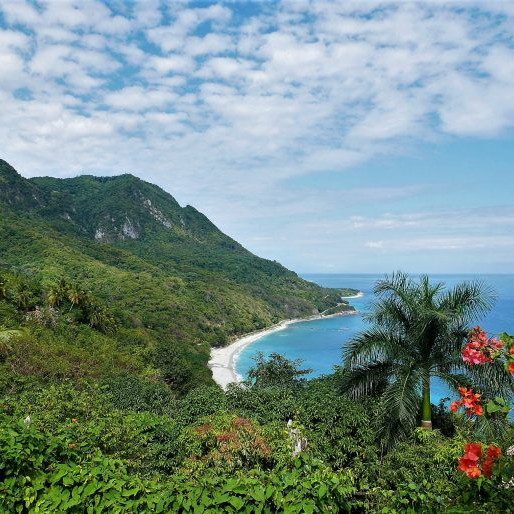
[173, 281]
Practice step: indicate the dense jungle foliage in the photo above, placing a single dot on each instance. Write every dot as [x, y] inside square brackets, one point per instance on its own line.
[90, 423]
[125, 444]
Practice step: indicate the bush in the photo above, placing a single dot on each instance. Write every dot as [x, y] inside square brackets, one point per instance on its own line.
[130, 392]
[46, 474]
[263, 404]
[228, 442]
[419, 474]
[198, 403]
[276, 370]
[340, 431]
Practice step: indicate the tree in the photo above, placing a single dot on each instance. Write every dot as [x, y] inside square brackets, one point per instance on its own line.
[97, 316]
[173, 367]
[57, 293]
[75, 295]
[7, 336]
[276, 371]
[417, 332]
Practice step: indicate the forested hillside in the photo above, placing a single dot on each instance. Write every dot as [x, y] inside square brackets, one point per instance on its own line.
[174, 284]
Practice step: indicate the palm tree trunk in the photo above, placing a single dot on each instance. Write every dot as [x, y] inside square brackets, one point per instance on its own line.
[426, 408]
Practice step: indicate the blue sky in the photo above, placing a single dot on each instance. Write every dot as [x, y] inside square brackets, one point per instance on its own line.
[331, 136]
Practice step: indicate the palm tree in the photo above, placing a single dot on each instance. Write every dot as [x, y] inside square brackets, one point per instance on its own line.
[417, 332]
[6, 337]
[57, 293]
[54, 296]
[75, 295]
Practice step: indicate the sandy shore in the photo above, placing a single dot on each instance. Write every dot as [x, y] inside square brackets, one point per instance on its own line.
[360, 294]
[222, 361]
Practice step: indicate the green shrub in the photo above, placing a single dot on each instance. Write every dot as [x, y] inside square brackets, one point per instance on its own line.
[338, 430]
[198, 403]
[228, 442]
[130, 392]
[46, 474]
[264, 404]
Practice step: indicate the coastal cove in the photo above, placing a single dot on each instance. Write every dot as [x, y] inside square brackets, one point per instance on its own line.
[223, 361]
[318, 341]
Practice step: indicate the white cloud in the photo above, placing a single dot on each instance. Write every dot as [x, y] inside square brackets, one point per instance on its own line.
[374, 244]
[173, 63]
[137, 98]
[444, 244]
[210, 44]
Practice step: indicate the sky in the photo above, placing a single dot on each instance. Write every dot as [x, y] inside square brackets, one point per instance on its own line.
[330, 136]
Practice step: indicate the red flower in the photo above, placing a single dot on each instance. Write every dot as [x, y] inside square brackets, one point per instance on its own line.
[511, 367]
[474, 449]
[478, 410]
[471, 464]
[487, 467]
[494, 452]
[473, 354]
[496, 344]
[468, 464]
[479, 349]
[470, 401]
[471, 471]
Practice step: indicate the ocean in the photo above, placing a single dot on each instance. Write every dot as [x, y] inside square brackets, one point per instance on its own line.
[319, 343]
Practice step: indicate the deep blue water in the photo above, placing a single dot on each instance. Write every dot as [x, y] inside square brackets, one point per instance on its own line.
[319, 343]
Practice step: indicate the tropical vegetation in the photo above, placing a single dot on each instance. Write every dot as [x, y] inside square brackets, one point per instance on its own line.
[417, 330]
[106, 404]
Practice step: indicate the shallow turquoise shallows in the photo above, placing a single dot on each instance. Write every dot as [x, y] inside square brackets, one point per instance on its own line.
[319, 343]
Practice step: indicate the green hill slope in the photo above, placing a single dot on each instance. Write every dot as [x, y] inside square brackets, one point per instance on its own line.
[169, 276]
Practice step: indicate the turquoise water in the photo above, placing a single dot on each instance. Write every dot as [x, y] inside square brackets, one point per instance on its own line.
[319, 343]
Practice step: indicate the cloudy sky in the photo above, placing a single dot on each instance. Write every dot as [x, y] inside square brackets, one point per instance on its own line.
[331, 136]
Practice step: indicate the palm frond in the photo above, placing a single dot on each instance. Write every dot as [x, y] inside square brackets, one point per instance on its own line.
[469, 301]
[402, 403]
[390, 312]
[373, 345]
[492, 380]
[6, 338]
[450, 341]
[7, 335]
[366, 379]
[399, 284]
[396, 297]
[428, 292]
[493, 428]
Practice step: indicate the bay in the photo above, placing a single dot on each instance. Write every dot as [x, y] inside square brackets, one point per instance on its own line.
[319, 343]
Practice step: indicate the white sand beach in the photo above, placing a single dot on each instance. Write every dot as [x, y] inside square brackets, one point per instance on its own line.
[222, 361]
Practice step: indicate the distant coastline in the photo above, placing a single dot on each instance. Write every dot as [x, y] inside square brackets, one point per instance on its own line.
[360, 294]
[223, 360]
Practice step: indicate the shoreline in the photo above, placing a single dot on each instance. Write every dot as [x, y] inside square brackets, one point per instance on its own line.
[222, 360]
[360, 294]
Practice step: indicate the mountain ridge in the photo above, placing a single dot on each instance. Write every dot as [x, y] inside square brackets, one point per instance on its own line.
[164, 268]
